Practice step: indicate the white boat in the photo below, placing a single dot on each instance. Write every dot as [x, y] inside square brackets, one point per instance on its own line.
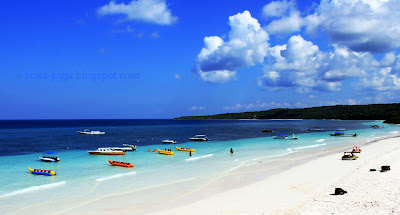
[87, 131]
[125, 149]
[133, 147]
[167, 141]
[284, 136]
[107, 151]
[49, 157]
[199, 138]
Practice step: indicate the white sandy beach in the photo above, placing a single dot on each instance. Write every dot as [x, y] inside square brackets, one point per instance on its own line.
[306, 189]
[300, 189]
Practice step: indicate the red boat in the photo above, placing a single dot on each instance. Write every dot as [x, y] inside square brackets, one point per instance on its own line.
[119, 163]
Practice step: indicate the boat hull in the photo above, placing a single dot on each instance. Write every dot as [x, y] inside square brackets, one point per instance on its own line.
[42, 172]
[185, 149]
[198, 139]
[118, 163]
[49, 159]
[106, 153]
[165, 152]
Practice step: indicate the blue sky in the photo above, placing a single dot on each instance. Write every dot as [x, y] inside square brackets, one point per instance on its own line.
[163, 59]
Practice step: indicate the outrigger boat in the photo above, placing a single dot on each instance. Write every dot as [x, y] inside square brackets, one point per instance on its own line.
[349, 156]
[199, 138]
[185, 149]
[167, 141]
[342, 134]
[106, 151]
[284, 136]
[49, 157]
[87, 131]
[42, 172]
[119, 163]
[164, 152]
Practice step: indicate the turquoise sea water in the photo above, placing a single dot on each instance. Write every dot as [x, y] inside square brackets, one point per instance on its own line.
[81, 177]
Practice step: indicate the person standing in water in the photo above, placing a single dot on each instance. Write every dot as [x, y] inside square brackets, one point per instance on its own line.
[231, 151]
[190, 153]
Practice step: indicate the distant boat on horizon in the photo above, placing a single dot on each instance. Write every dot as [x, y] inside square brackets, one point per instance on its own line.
[87, 131]
[199, 138]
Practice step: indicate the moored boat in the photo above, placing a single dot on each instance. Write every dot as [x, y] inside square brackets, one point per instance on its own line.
[49, 157]
[167, 141]
[165, 152]
[119, 163]
[185, 149]
[284, 136]
[42, 172]
[376, 126]
[134, 147]
[87, 131]
[342, 134]
[199, 138]
[106, 151]
[267, 130]
[125, 149]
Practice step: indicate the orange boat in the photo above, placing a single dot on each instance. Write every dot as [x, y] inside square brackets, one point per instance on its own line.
[119, 163]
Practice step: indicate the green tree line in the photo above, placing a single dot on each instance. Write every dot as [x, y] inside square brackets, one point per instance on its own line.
[388, 112]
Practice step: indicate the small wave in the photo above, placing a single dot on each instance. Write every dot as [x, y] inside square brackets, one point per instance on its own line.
[273, 156]
[115, 176]
[289, 149]
[235, 167]
[33, 188]
[394, 132]
[311, 146]
[197, 158]
[320, 140]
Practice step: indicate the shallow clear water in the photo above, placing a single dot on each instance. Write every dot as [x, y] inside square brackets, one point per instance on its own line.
[82, 176]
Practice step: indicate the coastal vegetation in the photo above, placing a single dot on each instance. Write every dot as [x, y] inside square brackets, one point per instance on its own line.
[388, 112]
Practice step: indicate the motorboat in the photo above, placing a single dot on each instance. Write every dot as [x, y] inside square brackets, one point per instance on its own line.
[284, 136]
[315, 129]
[167, 141]
[133, 147]
[42, 172]
[376, 126]
[106, 151]
[185, 149]
[165, 152]
[266, 130]
[49, 157]
[342, 134]
[356, 149]
[87, 131]
[119, 163]
[199, 138]
[125, 149]
[349, 156]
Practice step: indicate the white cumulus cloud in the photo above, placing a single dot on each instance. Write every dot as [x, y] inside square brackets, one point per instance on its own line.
[151, 11]
[300, 64]
[362, 25]
[246, 46]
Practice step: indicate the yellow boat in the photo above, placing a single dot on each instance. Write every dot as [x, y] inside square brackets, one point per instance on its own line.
[165, 152]
[185, 149]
